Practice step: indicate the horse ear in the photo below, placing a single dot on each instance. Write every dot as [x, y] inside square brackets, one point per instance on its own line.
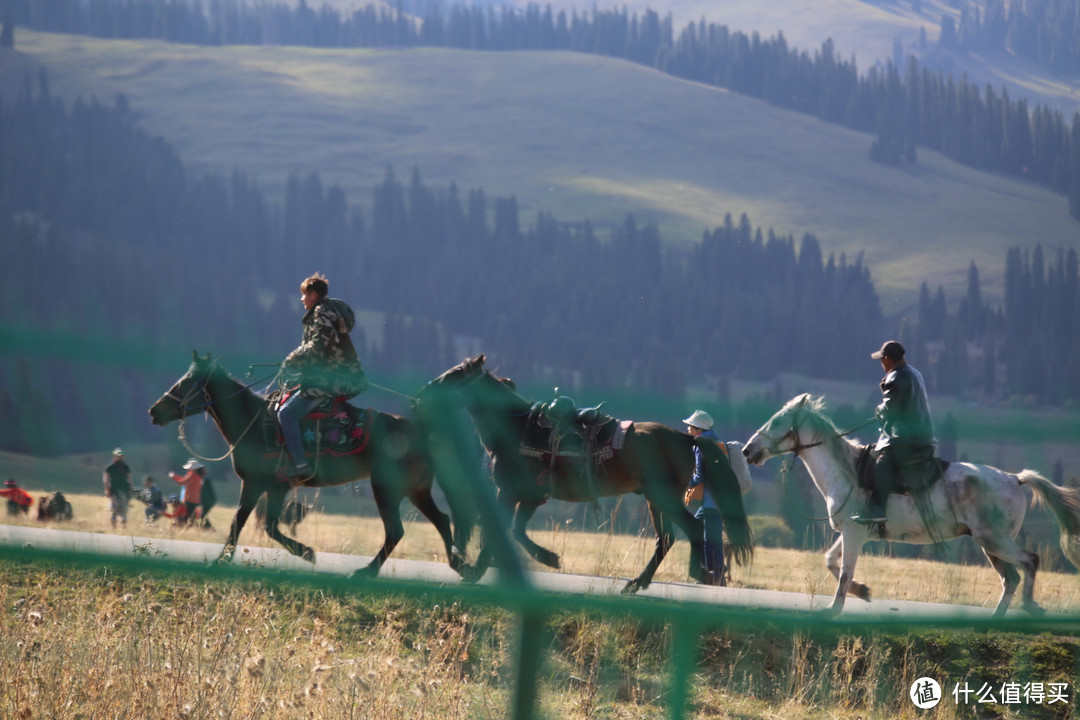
[481, 359]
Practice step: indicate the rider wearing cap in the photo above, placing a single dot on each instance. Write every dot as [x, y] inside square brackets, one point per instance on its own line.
[907, 430]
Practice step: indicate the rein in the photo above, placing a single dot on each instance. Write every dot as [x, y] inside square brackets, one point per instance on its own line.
[785, 468]
[208, 405]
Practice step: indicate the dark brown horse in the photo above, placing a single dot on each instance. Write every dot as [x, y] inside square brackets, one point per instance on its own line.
[394, 459]
[655, 460]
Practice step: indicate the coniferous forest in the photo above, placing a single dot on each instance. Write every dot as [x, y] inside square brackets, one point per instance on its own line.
[903, 107]
[121, 261]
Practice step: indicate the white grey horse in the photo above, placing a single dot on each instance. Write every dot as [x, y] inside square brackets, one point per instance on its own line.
[977, 500]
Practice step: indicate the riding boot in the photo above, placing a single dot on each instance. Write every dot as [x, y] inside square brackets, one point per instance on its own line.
[884, 471]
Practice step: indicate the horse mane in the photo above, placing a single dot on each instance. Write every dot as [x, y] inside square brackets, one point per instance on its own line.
[216, 370]
[507, 387]
[822, 425]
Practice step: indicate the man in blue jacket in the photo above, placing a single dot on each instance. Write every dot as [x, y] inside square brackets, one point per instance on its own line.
[700, 424]
[907, 430]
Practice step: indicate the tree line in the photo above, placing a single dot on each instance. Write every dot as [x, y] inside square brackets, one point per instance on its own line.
[121, 261]
[904, 107]
[1046, 31]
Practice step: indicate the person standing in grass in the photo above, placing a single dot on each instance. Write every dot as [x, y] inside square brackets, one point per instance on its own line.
[192, 484]
[117, 480]
[700, 424]
[18, 500]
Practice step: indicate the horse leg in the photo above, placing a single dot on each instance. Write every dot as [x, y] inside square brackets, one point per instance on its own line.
[522, 516]
[665, 538]
[275, 500]
[473, 573]
[832, 561]
[423, 502]
[850, 544]
[1004, 557]
[389, 505]
[248, 498]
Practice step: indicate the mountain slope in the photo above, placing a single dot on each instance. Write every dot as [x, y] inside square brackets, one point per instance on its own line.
[580, 136]
[864, 29]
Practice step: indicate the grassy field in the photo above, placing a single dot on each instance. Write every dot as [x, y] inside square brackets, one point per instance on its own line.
[109, 642]
[581, 136]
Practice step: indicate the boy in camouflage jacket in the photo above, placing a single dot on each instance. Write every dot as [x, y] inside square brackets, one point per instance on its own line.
[325, 365]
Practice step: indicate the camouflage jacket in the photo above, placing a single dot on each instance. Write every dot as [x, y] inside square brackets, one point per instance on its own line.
[326, 360]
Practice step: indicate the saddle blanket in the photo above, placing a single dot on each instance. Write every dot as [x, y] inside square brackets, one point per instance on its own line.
[914, 477]
[334, 428]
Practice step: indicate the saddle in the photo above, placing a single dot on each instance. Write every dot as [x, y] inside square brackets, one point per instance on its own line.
[915, 476]
[581, 443]
[334, 428]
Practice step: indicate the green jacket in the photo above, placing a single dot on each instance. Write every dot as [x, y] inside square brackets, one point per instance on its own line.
[904, 412]
[326, 360]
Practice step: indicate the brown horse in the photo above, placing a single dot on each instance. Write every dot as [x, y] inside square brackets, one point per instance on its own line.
[394, 459]
[655, 461]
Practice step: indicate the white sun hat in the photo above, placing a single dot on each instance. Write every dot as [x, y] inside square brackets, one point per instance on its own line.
[700, 419]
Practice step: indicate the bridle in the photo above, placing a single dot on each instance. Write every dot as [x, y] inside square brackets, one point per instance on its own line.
[799, 447]
[201, 387]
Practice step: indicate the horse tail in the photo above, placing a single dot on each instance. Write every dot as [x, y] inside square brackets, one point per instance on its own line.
[724, 486]
[1064, 504]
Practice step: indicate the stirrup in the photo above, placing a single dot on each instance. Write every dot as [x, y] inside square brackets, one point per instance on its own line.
[296, 473]
[870, 517]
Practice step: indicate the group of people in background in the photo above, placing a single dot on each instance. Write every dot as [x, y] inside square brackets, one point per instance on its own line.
[191, 506]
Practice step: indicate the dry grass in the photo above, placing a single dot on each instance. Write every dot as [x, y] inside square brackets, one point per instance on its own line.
[107, 644]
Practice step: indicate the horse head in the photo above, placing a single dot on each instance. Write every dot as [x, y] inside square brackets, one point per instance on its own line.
[793, 428]
[187, 396]
[451, 384]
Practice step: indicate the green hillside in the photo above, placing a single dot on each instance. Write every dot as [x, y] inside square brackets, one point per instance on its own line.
[864, 29]
[580, 136]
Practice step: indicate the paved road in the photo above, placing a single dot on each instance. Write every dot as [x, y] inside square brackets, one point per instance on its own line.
[273, 558]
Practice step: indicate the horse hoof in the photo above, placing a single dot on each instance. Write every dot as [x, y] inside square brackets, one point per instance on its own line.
[860, 591]
[633, 586]
[548, 558]
[470, 573]
[365, 573]
[1035, 609]
[308, 555]
[832, 611]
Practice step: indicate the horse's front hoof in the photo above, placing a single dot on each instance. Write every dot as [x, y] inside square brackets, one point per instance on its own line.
[1034, 609]
[371, 570]
[633, 586]
[226, 556]
[470, 573]
[833, 611]
[309, 555]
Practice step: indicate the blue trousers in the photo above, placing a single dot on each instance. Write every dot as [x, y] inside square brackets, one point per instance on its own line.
[289, 415]
[713, 523]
